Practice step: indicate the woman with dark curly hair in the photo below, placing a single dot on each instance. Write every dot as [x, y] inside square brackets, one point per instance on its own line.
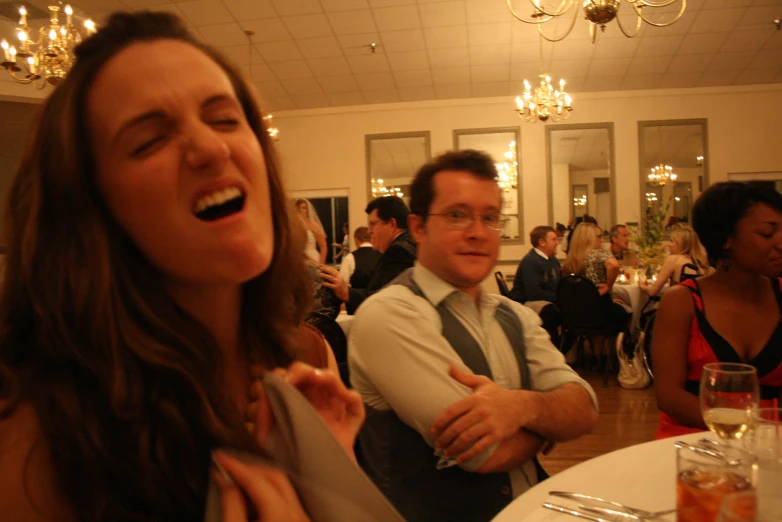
[153, 269]
[731, 315]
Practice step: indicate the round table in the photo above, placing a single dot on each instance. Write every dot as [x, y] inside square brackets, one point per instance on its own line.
[641, 476]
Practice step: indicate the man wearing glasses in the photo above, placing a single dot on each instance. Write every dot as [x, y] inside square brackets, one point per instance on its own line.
[462, 388]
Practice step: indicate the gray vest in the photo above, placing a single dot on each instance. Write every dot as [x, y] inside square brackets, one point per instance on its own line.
[404, 466]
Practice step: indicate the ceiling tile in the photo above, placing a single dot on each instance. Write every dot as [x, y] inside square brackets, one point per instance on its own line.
[681, 27]
[346, 98]
[445, 37]
[312, 101]
[617, 67]
[575, 85]
[731, 61]
[343, 5]
[292, 70]
[755, 76]
[352, 22]
[531, 72]
[390, 3]
[716, 20]
[659, 45]
[451, 75]
[641, 81]
[206, 12]
[649, 65]
[480, 11]
[416, 93]
[602, 83]
[368, 64]
[375, 81]
[760, 15]
[703, 43]
[447, 92]
[302, 86]
[260, 73]
[690, 63]
[679, 80]
[279, 104]
[397, 18]
[452, 57]
[489, 34]
[524, 33]
[358, 44]
[413, 78]
[724, 4]
[739, 41]
[279, 51]
[244, 10]
[489, 54]
[573, 50]
[344, 83]
[485, 90]
[267, 30]
[224, 35]
[335, 66]
[775, 42]
[531, 52]
[240, 54]
[382, 96]
[771, 59]
[308, 26]
[324, 47]
[407, 40]
[715, 78]
[615, 48]
[270, 89]
[490, 73]
[408, 60]
[297, 7]
[565, 68]
[443, 14]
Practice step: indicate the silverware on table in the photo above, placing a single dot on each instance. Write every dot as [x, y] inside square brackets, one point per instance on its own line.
[622, 509]
[569, 511]
[624, 514]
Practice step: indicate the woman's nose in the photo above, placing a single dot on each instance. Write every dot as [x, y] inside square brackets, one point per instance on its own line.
[204, 147]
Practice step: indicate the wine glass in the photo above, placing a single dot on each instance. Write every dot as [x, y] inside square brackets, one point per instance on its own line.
[728, 394]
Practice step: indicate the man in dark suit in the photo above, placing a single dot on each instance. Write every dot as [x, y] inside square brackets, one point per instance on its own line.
[388, 226]
[359, 266]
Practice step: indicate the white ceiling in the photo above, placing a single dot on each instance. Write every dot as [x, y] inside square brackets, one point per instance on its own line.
[315, 53]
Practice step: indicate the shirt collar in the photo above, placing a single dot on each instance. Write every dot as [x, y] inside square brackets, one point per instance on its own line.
[436, 290]
[540, 253]
[364, 245]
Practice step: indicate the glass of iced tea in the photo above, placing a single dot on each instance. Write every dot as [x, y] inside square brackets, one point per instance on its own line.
[747, 506]
[728, 393]
[703, 482]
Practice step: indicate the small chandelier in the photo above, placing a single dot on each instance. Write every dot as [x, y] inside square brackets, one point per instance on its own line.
[598, 13]
[273, 131]
[379, 190]
[508, 170]
[661, 175]
[651, 197]
[48, 59]
[544, 102]
[580, 201]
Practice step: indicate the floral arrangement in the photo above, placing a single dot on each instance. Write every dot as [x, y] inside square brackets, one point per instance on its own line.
[650, 238]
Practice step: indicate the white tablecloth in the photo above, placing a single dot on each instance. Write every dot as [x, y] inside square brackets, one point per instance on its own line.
[641, 476]
[634, 297]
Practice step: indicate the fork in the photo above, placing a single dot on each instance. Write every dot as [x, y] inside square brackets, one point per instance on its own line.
[626, 510]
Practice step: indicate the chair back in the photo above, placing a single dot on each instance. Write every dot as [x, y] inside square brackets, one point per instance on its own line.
[501, 284]
[689, 271]
[336, 338]
[580, 304]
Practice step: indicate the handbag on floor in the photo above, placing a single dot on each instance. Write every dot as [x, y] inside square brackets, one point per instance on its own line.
[633, 373]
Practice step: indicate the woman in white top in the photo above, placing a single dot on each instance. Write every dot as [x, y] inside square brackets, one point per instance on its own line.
[316, 237]
[685, 249]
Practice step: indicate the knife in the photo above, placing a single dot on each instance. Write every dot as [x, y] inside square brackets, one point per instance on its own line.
[573, 512]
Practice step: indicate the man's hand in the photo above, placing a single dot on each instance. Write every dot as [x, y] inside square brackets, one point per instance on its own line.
[334, 280]
[491, 414]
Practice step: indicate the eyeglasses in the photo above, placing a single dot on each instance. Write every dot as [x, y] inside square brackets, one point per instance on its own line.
[464, 219]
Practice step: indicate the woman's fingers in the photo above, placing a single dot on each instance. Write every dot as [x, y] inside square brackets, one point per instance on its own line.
[232, 504]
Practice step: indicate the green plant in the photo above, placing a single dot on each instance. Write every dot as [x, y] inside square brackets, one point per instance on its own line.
[650, 237]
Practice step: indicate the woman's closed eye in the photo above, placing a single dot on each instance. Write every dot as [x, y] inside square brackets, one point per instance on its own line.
[147, 145]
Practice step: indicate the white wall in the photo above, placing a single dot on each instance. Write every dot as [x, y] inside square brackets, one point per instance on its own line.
[324, 148]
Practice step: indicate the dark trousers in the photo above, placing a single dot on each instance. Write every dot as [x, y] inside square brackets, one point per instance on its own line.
[552, 320]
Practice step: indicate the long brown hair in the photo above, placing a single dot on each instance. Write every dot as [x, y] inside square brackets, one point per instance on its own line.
[122, 380]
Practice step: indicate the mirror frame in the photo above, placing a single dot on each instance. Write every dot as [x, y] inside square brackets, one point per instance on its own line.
[642, 177]
[369, 138]
[609, 126]
[519, 199]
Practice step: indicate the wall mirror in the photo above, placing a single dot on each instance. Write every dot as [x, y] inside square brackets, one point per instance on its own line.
[393, 160]
[770, 179]
[502, 144]
[581, 173]
[673, 165]
[331, 207]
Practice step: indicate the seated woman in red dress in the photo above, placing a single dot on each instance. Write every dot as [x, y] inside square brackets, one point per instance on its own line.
[732, 315]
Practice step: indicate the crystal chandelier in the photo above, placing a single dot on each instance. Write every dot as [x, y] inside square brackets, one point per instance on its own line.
[48, 59]
[544, 102]
[379, 190]
[508, 170]
[598, 13]
[661, 175]
[580, 201]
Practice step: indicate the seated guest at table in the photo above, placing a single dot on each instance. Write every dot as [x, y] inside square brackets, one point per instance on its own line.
[535, 284]
[686, 256]
[731, 315]
[619, 236]
[588, 258]
[574, 223]
[463, 387]
[359, 266]
[152, 258]
[388, 227]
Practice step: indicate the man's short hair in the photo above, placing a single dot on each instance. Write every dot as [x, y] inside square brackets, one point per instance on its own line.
[539, 233]
[362, 235]
[614, 233]
[475, 162]
[389, 207]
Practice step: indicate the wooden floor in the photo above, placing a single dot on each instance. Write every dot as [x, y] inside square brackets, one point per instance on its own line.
[627, 417]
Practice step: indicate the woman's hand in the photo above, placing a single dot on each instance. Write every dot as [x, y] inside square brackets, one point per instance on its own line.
[341, 409]
[269, 490]
[602, 288]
